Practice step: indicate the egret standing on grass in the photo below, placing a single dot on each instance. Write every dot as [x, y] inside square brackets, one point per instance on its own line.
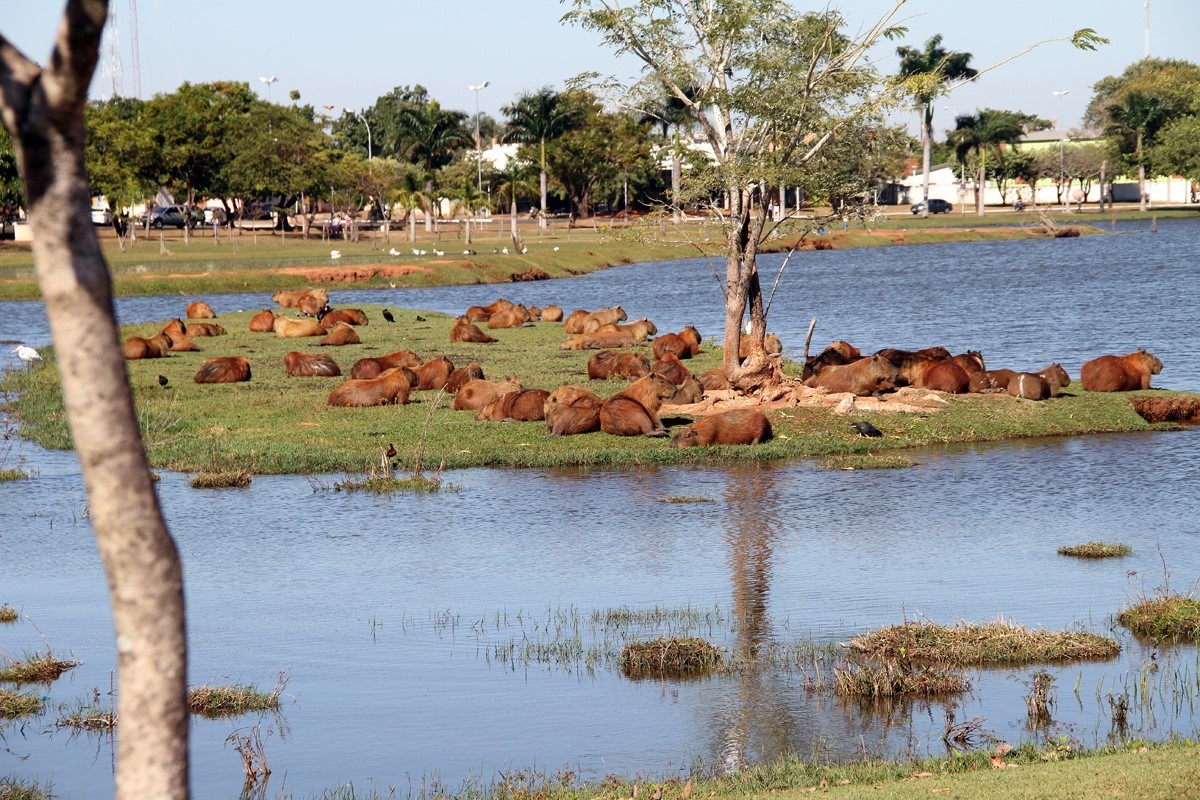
[27, 354]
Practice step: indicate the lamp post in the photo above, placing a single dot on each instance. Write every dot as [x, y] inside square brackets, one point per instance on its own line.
[368, 127]
[478, 144]
[1062, 172]
[268, 82]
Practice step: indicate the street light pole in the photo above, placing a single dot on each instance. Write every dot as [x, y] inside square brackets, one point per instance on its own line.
[1062, 172]
[268, 82]
[478, 143]
[351, 111]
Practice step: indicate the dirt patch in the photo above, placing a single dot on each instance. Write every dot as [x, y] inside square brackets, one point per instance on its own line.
[1167, 409]
[794, 394]
[359, 272]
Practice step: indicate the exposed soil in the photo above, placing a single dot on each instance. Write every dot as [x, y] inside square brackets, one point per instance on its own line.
[1167, 409]
[359, 272]
[793, 394]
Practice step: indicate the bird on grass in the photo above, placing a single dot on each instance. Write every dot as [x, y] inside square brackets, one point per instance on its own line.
[866, 429]
[335, 253]
[388, 316]
[391, 451]
[162, 381]
[419, 318]
[26, 354]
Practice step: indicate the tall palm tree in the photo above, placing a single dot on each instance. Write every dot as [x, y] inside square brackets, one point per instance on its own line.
[941, 66]
[429, 136]
[671, 112]
[978, 132]
[514, 181]
[1138, 115]
[538, 117]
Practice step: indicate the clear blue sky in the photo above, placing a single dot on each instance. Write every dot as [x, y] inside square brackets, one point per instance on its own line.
[349, 53]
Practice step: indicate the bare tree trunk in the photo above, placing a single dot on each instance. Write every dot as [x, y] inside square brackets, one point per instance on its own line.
[676, 181]
[543, 218]
[926, 137]
[43, 110]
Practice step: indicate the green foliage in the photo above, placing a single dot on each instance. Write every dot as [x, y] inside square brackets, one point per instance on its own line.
[1168, 616]
[1095, 550]
[1175, 150]
[231, 701]
[35, 668]
[14, 704]
[999, 642]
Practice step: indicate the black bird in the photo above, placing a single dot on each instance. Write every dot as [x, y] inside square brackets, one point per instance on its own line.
[866, 429]
[420, 318]
[388, 316]
[162, 380]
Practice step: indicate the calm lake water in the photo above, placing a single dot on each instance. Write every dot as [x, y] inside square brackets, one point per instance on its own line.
[410, 626]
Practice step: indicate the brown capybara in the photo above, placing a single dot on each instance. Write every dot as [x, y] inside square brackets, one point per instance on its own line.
[1120, 373]
[511, 317]
[834, 355]
[771, 345]
[740, 426]
[865, 377]
[640, 329]
[946, 376]
[692, 336]
[289, 328]
[571, 410]
[200, 310]
[524, 405]
[634, 411]
[1055, 377]
[991, 380]
[391, 387]
[970, 362]
[175, 328]
[206, 329]
[596, 341]
[478, 393]
[180, 343]
[481, 313]
[355, 316]
[671, 368]
[434, 373]
[137, 347]
[897, 357]
[671, 343]
[333, 316]
[535, 313]
[311, 306]
[688, 392]
[263, 322]
[224, 369]
[460, 377]
[605, 316]
[617, 364]
[552, 314]
[305, 365]
[1028, 386]
[371, 367]
[574, 321]
[340, 334]
[716, 379]
[465, 331]
[291, 299]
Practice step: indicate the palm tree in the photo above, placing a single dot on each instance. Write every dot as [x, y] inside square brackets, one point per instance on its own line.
[939, 66]
[1138, 115]
[410, 195]
[429, 136]
[976, 133]
[538, 117]
[514, 182]
[670, 112]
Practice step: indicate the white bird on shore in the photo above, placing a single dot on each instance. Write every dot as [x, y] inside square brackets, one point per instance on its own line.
[335, 253]
[556, 248]
[393, 252]
[505, 251]
[416, 252]
[26, 354]
[437, 252]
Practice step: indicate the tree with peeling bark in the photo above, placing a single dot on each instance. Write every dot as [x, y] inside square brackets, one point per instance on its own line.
[43, 110]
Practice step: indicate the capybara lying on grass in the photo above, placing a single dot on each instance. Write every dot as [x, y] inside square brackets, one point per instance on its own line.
[392, 386]
[461, 376]
[332, 317]
[684, 344]
[605, 316]
[688, 392]
[1028, 386]
[305, 365]
[289, 328]
[617, 364]
[205, 329]
[340, 334]
[1120, 373]
[991, 380]
[864, 377]
[481, 313]
[465, 331]
[552, 314]
[634, 411]
[1055, 377]
[771, 346]
[137, 347]
[476, 394]
[596, 341]
[838, 353]
[511, 317]
[671, 368]
[200, 310]
[571, 410]
[372, 367]
[740, 426]
[311, 306]
[574, 321]
[434, 373]
[263, 322]
[291, 299]
[523, 405]
[224, 369]
[897, 356]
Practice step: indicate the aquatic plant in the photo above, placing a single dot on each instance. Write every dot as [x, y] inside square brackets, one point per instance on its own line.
[1167, 616]
[8, 614]
[670, 658]
[35, 668]
[13, 705]
[232, 700]
[999, 642]
[221, 479]
[1095, 550]
[876, 679]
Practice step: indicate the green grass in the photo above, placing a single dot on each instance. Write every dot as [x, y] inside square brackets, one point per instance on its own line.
[999, 642]
[890, 678]
[231, 701]
[676, 657]
[10, 474]
[36, 668]
[88, 718]
[234, 478]
[16, 788]
[1096, 550]
[1170, 617]
[14, 704]
[274, 424]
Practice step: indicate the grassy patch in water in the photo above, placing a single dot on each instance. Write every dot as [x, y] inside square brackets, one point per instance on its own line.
[1170, 617]
[14, 704]
[387, 484]
[37, 668]
[230, 701]
[7, 475]
[88, 718]
[8, 614]
[895, 678]
[999, 642]
[679, 657]
[683, 498]
[16, 788]
[1096, 550]
[853, 461]
[221, 479]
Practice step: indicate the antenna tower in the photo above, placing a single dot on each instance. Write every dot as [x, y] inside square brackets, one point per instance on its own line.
[112, 67]
[133, 45]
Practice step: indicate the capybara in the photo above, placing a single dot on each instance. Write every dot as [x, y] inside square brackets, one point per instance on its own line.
[834, 355]
[263, 322]
[740, 426]
[511, 317]
[1028, 386]
[634, 411]
[671, 368]
[355, 316]
[946, 376]
[574, 321]
[571, 409]
[291, 299]
[481, 313]
[991, 380]
[181, 343]
[371, 367]
[970, 362]
[224, 369]
[206, 329]
[289, 328]
[692, 336]
[175, 328]
[552, 314]
[688, 392]
[305, 365]
[392, 386]
[465, 331]
[200, 310]
[671, 343]
[640, 329]
[617, 364]
[897, 357]
[477, 393]
[1055, 377]
[771, 345]
[460, 376]
[1120, 373]
[865, 377]
[333, 316]
[311, 306]
[604, 316]
[524, 405]
[434, 373]
[596, 341]
[137, 347]
[340, 334]
[716, 379]
[535, 313]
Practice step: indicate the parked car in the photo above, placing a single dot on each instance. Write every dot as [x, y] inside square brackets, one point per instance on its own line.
[101, 216]
[175, 216]
[936, 206]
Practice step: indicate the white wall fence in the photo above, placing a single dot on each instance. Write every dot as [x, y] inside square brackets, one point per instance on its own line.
[1158, 190]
